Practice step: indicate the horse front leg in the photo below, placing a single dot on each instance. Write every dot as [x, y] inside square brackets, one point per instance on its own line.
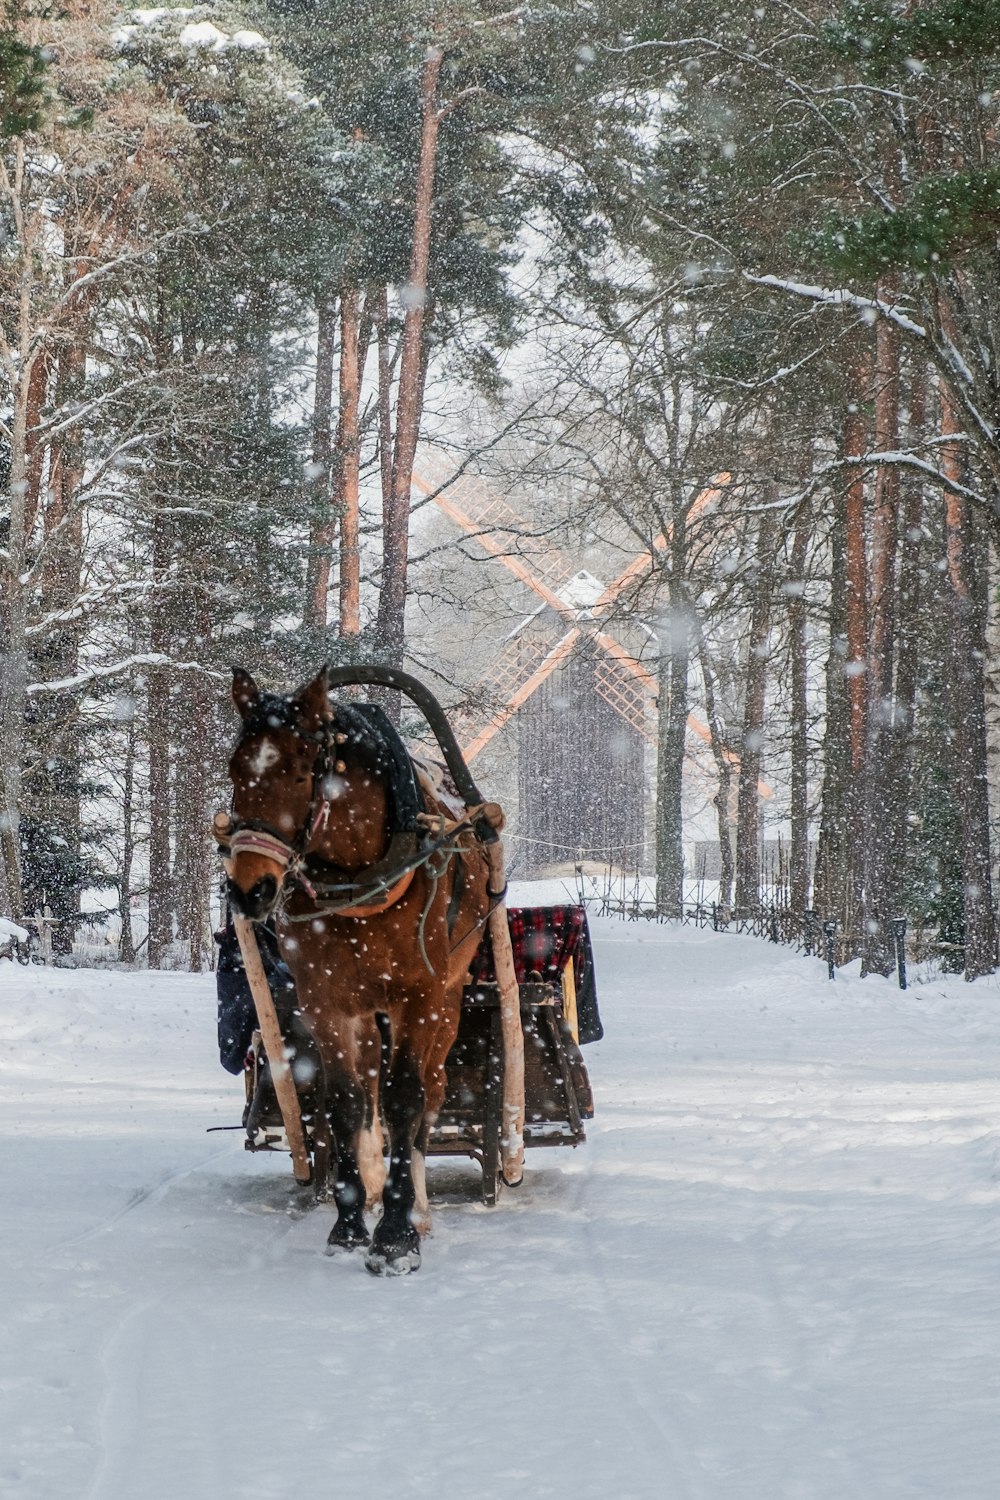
[347, 1112]
[395, 1247]
[374, 1044]
[348, 1109]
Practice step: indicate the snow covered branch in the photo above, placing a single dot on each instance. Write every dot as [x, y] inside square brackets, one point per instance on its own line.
[86, 603]
[900, 459]
[839, 297]
[63, 422]
[117, 669]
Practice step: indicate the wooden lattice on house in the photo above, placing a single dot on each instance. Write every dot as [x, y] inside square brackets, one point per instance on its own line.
[617, 688]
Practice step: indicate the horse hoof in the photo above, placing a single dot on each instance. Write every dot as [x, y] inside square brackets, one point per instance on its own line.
[343, 1240]
[382, 1262]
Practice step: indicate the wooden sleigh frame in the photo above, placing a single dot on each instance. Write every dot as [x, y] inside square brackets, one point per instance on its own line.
[557, 1094]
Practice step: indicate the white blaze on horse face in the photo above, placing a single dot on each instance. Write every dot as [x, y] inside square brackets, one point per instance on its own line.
[266, 755]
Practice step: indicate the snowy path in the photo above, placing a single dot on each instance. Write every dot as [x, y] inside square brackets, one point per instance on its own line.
[771, 1272]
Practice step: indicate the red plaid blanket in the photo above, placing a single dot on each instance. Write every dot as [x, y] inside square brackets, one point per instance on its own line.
[545, 939]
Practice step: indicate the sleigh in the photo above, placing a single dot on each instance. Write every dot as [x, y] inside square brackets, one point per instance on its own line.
[558, 1011]
[343, 826]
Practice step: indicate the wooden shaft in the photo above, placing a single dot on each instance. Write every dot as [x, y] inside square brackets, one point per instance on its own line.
[512, 1140]
[274, 1046]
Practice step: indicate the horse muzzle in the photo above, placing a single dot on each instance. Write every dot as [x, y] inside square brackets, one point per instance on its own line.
[259, 901]
[257, 862]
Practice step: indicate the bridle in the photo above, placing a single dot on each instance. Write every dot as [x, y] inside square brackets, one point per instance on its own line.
[254, 836]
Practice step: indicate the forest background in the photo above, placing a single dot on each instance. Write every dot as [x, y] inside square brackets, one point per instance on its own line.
[617, 261]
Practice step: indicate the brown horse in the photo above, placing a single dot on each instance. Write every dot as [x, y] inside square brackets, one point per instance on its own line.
[373, 918]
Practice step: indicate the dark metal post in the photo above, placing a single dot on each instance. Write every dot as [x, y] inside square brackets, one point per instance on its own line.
[829, 932]
[898, 925]
[775, 935]
[811, 926]
[715, 916]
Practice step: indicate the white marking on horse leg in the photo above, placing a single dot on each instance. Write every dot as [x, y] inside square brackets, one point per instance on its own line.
[420, 1217]
[371, 1162]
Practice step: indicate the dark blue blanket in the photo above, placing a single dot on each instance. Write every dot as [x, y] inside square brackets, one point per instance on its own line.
[236, 1011]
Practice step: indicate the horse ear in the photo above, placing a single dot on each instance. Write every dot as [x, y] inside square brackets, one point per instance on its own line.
[245, 693]
[313, 700]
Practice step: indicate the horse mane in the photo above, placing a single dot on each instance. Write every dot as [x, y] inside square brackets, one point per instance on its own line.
[271, 711]
[377, 746]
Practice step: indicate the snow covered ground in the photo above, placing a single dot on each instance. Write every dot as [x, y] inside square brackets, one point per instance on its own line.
[771, 1272]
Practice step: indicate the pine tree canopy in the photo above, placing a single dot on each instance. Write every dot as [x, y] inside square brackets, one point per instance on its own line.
[946, 214]
[889, 37]
[22, 83]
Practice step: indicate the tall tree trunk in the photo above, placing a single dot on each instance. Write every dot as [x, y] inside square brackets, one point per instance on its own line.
[158, 715]
[748, 823]
[724, 771]
[35, 450]
[798, 810]
[900, 760]
[967, 571]
[674, 663]
[412, 374]
[322, 530]
[191, 867]
[347, 459]
[832, 885]
[126, 943]
[879, 858]
[55, 801]
[673, 697]
[856, 665]
[381, 313]
[158, 734]
[14, 660]
[14, 657]
[856, 583]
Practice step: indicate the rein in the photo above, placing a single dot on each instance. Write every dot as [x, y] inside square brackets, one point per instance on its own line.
[390, 886]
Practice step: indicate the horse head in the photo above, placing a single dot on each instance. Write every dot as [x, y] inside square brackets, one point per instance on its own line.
[277, 770]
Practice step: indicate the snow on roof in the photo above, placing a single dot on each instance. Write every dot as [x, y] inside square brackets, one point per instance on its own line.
[583, 590]
[11, 930]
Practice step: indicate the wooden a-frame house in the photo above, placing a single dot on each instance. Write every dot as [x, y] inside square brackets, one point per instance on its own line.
[584, 700]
